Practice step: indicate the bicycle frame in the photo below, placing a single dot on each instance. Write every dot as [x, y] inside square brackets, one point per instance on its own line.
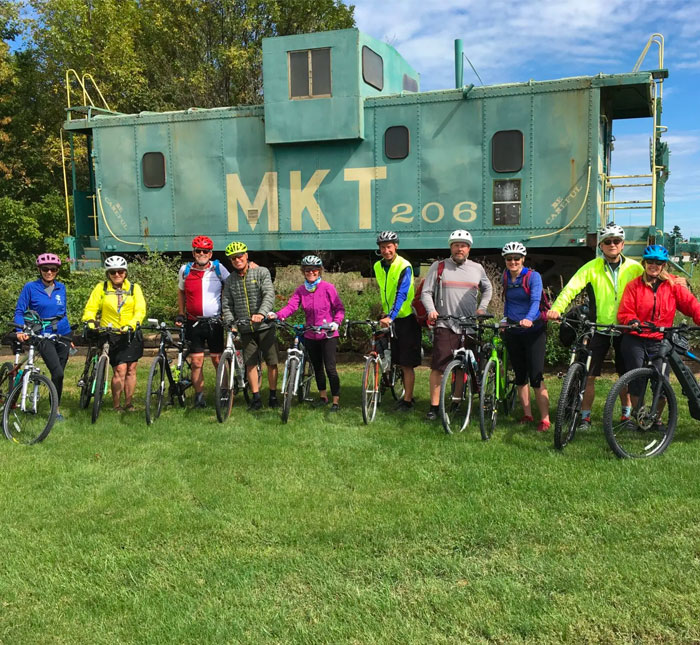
[295, 352]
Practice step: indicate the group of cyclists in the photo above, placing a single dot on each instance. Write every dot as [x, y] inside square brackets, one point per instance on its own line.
[212, 297]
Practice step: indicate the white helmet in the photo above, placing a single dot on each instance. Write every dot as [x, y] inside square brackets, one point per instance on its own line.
[611, 230]
[311, 261]
[514, 248]
[461, 235]
[115, 262]
[387, 236]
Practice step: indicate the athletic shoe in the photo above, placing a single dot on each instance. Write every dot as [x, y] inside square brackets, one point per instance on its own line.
[255, 404]
[320, 403]
[432, 414]
[584, 425]
[525, 419]
[404, 406]
[544, 426]
[273, 402]
[199, 401]
[335, 407]
[59, 418]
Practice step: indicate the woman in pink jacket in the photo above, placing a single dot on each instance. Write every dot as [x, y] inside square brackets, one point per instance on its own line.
[322, 306]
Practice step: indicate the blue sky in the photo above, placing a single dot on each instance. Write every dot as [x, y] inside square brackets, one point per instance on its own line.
[540, 40]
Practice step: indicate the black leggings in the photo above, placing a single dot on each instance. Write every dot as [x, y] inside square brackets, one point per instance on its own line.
[55, 355]
[526, 351]
[322, 352]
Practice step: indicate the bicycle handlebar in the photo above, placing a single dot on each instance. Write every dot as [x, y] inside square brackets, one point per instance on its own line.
[374, 324]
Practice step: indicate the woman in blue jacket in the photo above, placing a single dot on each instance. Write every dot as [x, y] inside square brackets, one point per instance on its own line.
[47, 297]
[526, 344]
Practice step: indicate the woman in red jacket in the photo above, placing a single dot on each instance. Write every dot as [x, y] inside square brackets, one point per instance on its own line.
[653, 298]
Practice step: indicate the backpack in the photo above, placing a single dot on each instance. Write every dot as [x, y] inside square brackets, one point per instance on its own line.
[545, 304]
[417, 306]
[215, 264]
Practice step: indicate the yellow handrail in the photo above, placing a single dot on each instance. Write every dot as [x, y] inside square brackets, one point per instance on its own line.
[104, 219]
[65, 181]
[82, 82]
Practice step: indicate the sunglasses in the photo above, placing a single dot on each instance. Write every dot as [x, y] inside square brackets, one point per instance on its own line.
[610, 241]
[117, 271]
[656, 263]
[47, 269]
[311, 270]
[238, 256]
[515, 258]
[202, 251]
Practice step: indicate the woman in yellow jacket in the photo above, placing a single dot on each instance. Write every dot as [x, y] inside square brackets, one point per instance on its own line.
[121, 304]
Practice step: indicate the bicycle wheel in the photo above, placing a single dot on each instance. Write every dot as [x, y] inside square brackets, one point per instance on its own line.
[184, 383]
[86, 387]
[100, 384]
[31, 420]
[304, 393]
[510, 391]
[6, 381]
[240, 383]
[155, 390]
[649, 430]
[455, 398]
[396, 382]
[488, 401]
[223, 392]
[370, 389]
[569, 406]
[288, 394]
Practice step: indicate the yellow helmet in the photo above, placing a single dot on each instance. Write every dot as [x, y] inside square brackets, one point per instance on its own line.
[236, 247]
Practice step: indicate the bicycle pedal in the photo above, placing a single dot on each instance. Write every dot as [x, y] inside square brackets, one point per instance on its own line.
[81, 383]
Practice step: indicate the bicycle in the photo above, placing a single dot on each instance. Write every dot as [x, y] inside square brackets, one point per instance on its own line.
[462, 376]
[380, 374]
[231, 375]
[179, 376]
[650, 427]
[32, 404]
[497, 381]
[298, 370]
[93, 382]
[8, 371]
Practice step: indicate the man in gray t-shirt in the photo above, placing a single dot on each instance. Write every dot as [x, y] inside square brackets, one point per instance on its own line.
[456, 293]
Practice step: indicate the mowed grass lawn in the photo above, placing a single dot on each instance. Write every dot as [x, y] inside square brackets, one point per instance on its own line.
[328, 531]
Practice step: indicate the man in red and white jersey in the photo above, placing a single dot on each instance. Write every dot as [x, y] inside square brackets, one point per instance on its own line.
[199, 305]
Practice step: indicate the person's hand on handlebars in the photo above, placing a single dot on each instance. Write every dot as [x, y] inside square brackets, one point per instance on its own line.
[553, 315]
[525, 322]
[180, 320]
[481, 312]
[432, 317]
[256, 318]
[333, 326]
[272, 316]
[22, 337]
[385, 322]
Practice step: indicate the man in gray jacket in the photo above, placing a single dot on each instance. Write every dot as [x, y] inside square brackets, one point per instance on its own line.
[454, 293]
[248, 294]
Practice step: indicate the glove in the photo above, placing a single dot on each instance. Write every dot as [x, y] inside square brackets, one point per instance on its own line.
[126, 328]
[180, 318]
[333, 326]
[272, 316]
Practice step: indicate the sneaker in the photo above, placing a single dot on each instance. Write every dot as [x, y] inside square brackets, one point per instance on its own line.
[544, 426]
[199, 401]
[335, 407]
[432, 414]
[59, 418]
[273, 402]
[526, 419]
[404, 406]
[584, 425]
[255, 404]
[320, 403]
[129, 408]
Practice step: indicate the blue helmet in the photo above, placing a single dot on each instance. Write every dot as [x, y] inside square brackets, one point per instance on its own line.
[655, 252]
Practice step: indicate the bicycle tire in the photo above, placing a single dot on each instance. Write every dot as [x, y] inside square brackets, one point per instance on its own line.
[640, 437]
[488, 401]
[185, 378]
[6, 382]
[100, 383]
[304, 393]
[398, 389]
[569, 406]
[370, 389]
[288, 393]
[511, 391]
[454, 407]
[155, 390]
[86, 388]
[240, 382]
[224, 390]
[41, 407]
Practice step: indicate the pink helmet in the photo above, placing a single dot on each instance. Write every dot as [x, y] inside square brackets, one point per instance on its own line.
[48, 258]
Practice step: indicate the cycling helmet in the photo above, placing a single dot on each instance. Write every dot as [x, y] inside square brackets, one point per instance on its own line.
[461, 235]
[611, 230]
[236, 247]
[514, 248]
[388, 236]
[311, 261]
[115, 262]
[203, 242]
[48, 258]
[655, 252]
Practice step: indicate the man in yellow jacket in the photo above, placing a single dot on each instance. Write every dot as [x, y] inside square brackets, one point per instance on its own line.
[119, 304]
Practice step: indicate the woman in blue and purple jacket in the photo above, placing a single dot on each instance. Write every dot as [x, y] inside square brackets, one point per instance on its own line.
[322, 306]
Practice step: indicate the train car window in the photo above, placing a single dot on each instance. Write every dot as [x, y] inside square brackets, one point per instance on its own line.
[310, 73]
[372, 68]
[153, 165]
[507, 151]
[396, 142]
[506, 202]
[410, 84]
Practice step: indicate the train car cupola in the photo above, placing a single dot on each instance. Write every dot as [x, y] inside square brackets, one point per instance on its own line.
[315, 84]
